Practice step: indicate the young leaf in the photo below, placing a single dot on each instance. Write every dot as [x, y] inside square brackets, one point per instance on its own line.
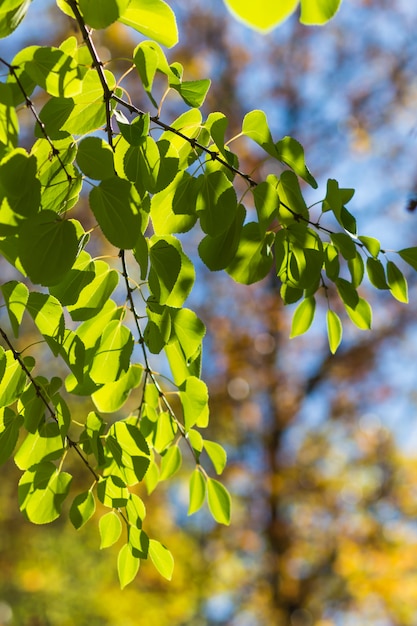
[360, 314]
[264, 15]
[197, 491]
[95, 158]
[42, 490]
[10, 425]
[376, 273]
[112, 396]
[56, 72]
[152, 18]
[112, 357]
[397, 282]
[172, 274]
[253, 259]
[110, 528]
[290, 152]
[82, 508]
[15, 296]
[47, 247]
[334, 330]
[162, 558]
[127, 565]
[193, 92]
[102, 14]
[194, 400]
[115, 204]
[318, 11]
[371, 244]
[170, 463]
[303, 317]
[217, 455]
[409, 255]
[218, 501]
[112, 492]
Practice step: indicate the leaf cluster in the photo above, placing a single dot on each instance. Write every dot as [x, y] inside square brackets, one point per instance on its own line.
[148, 181]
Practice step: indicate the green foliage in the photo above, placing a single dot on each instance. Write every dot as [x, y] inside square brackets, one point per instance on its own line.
[267, 14]
[148, 180]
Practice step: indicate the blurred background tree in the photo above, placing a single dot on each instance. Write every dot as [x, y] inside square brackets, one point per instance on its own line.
[321, 461]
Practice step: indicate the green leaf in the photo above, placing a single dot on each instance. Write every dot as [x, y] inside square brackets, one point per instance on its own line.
[172, 274]
[189, 331]
[292, 203]
[47, 247]
[360, 314]
[91, 437]
[20, 189]
[331, 261]
[13, 380]
[133, 132]
[218, 501]
[95, 158]
[356, 269]
[334, 330]
[86, 288]
[194, 400]
[397, 282]
[318, 11]
[110, 528]
[129, 450]
[266, 202]
[112, 358]
[170, 463]
[9, 124]
[138, 542]
[101, 15]
[303, 317]
[193, 92]
[112, 396]
[165, 431]
[218, 252]
[56, 72]
[345, 244]
[263, 15]
[216, 203]
[197, 491]
[290, 152]
[158, 328]
[45, 444]
[371, 244]
[15, 296]
[255, 126]
[135, 510]
[42, 490]
[217, 455]
[10, 425]
[409, 255]
[173, 208]
[162, 558]
[82, 509]
[112, 492]
[47, 314]
[127, 565]
[152, 18]
[347, 292]
[376, 273]
[12, 12]
[253, 259]
[115, 204]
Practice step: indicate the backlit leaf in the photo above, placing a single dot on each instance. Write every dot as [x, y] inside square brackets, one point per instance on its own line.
[334, 330]
[162, 558]
[218, 501]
